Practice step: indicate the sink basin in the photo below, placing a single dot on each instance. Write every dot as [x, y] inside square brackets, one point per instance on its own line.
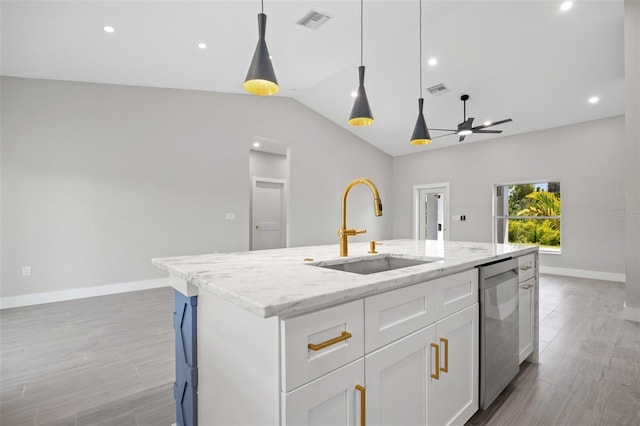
[373, 264]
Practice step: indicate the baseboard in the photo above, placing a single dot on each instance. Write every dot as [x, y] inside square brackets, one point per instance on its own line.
[80, 293]
[584, 273]
[631, 314]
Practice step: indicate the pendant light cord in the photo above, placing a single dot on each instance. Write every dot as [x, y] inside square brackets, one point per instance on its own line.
[361, 32]
[420, 18]
[262, 5]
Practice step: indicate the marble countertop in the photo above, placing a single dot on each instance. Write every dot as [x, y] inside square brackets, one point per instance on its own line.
[280, 282]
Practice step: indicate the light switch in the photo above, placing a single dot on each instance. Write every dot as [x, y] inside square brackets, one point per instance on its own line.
[231, 216]
[26, 271]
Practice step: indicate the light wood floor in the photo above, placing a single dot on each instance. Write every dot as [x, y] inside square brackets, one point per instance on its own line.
[109, 361]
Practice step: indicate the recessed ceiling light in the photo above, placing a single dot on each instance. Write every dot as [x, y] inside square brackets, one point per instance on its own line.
[108, 29]
[566, 6]
[354, 94]
[256, 144]
[487, 123]
[594, 99]
[202, 45]
[433, 62]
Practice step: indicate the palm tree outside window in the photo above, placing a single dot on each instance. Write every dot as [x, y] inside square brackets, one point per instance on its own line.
[529, 213]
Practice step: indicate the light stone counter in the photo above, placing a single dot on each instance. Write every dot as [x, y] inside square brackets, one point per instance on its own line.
[280, 282]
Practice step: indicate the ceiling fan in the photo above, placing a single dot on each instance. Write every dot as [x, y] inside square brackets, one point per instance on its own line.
[466, 127]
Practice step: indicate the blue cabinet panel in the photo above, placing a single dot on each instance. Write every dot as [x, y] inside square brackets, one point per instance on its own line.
[185, 388]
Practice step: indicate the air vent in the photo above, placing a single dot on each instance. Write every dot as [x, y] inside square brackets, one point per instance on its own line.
[438, 89]
[313, 20]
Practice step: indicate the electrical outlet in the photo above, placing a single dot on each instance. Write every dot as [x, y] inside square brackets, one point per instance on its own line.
[230, 216]
[26, 271]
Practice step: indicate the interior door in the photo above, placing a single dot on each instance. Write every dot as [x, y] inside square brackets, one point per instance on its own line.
[432, 216]
[268, 214]
[398, 380]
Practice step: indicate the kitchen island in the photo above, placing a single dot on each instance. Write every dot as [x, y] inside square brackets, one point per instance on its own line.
[290, 336]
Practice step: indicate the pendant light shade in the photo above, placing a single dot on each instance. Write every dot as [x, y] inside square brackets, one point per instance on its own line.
[261, 79]
[361, 112]
[420, 132]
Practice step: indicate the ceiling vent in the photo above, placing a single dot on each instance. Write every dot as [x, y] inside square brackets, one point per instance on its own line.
[438, 89]
[313, 20]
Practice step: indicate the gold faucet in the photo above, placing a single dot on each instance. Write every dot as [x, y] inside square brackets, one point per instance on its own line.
[343, 232]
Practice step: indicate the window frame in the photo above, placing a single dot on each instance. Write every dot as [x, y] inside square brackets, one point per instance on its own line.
[495, 217]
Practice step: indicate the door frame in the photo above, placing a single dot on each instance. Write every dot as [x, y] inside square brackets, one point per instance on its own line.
[416, 208]
[285, 207]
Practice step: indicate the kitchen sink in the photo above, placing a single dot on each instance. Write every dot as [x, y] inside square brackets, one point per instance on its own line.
[373, 264]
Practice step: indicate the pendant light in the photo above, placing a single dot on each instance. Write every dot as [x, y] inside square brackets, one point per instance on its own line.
[261, 79]
[420, 132]
[361, 112]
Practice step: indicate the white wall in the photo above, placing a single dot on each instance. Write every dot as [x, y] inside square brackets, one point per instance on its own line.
[587, 158]
[265, 164]
[632, 156]
[98, 179]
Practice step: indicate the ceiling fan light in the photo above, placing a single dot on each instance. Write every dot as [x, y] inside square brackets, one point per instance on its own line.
[464, 132]
[261, 79]
[420, 131]
[361, 114]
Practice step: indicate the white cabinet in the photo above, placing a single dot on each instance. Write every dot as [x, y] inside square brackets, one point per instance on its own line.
[398, 382]
[411, 354]
[332, 399]
[454, 398]
[527, 310]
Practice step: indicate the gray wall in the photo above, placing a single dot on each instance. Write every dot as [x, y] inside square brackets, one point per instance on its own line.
[632, 153]
[586, 158]
[98, 179]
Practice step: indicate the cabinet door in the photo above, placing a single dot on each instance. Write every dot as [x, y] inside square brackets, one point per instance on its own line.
[329, 400]
[397, 378]
[526, 310]
[456, 396]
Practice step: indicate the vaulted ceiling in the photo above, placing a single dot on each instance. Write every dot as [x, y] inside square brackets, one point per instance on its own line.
[525, 60]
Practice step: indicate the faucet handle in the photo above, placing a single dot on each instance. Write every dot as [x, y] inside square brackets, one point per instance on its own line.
[350, 232]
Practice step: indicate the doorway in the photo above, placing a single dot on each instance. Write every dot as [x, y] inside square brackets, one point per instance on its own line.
[268, 216]
[431, 212]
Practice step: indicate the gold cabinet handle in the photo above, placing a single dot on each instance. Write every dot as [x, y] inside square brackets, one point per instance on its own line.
[446, 355]
[436, 375]
[362, 404]
[344, 336]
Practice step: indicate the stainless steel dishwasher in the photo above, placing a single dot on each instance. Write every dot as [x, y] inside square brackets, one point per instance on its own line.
[499, 331]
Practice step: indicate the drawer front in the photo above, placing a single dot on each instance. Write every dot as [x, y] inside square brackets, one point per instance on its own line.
[395, 314]
[526, 267]
[317, 343]
[456, 292]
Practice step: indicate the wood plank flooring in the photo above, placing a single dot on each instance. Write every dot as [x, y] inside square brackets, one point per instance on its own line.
[100, 361]
[109, 361]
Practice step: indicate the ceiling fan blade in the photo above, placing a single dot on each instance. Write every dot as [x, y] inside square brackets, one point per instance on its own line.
[461, 138]
[443, 130]
[493, 124]
[487, 131]
[442, 136]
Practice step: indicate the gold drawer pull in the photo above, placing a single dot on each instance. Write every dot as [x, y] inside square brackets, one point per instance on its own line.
[446, 355]
[362, 404]
[436, 375]
[345, 335]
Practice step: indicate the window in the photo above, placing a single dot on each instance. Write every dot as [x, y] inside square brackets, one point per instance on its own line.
[529, 213]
